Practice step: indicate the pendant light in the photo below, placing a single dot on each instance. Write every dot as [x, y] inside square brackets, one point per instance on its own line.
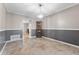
[40, 16]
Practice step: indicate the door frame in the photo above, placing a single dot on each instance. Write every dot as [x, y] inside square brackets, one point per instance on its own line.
[28, 26]
[23, 30]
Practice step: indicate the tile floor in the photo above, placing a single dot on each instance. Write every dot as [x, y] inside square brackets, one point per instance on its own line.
[39, 46]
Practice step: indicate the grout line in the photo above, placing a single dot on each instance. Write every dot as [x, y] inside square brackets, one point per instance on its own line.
[61, 42]
[3, 48]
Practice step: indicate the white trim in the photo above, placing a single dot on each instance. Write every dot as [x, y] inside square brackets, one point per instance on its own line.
[33, 36]
[10, 29]
[14, 29]
[60, 29]
[13, 40]
[61, 42]
[2, 30]
[30, 29]
[6, 44]
[48, 28]
[3, 48]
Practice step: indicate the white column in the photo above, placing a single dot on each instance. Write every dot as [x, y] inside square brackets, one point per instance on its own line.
[30, 30]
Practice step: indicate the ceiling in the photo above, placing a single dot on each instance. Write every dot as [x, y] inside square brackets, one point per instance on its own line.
[33, 9]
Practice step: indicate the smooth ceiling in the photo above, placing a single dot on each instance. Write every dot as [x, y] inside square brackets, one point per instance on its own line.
[33, 9]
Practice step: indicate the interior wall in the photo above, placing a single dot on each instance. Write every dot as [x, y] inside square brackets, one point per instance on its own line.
[2, 22]
[14, 25]
[14, 22]
[63, 26]
[2, 17]
[33, 26]
[2, 25]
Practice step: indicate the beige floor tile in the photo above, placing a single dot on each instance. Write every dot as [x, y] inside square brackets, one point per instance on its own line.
[39, 46]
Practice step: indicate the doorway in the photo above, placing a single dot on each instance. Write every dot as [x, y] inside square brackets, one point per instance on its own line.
[26, 30]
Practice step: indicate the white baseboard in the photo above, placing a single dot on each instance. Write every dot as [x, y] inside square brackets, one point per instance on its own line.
[6, 44]
[3, 48]
[13, 40]
[33, 37]
[61, 42]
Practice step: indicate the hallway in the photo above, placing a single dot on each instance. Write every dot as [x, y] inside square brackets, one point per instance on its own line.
[39, 46]
[53, 28]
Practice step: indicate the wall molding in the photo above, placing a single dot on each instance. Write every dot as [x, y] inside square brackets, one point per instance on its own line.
[45, 28]
[3, 48]
[61, 42]
[10, 29]
[60, 29]
[2, 30]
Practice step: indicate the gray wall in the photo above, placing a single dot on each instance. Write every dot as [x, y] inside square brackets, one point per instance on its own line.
[5, 35]
[1, 45]
[2, 36]
[63, 26]
[69, 36]
[33, 32]
[2, 22]
[8, 33]
[2, 25]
